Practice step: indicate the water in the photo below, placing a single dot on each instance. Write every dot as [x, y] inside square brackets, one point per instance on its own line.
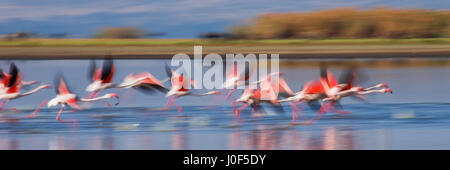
[415, 116]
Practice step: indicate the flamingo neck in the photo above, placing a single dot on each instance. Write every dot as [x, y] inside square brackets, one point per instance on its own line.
[373, 87]
[94, 99]
[34, 90]
[372, 91]
[203, 94]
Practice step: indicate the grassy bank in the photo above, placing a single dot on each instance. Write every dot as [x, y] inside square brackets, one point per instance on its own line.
[166, 48]
[208, 42]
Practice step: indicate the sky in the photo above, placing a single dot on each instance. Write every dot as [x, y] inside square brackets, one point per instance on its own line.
[178, 19]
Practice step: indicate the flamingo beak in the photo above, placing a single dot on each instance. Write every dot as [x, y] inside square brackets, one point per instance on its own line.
[384, 85]
[388, 91]
[117, 97]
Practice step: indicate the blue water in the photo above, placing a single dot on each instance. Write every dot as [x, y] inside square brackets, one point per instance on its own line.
[415, 116]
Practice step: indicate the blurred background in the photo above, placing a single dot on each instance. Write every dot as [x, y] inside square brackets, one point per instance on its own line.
[404, 43]
[251, 19]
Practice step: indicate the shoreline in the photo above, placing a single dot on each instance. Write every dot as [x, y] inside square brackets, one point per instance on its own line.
[285, 51]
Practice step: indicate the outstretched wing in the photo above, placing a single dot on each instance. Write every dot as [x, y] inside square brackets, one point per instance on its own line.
[60, 84]
[348, 78]
[91, 71]
[107, 71]
[14, 72]
[168, 71]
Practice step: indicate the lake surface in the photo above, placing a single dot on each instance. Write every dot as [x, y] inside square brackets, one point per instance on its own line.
[415, 116]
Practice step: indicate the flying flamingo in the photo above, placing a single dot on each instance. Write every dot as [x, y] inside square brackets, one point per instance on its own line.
[5, 76]
[180, 84]
[235, 79]
[268, 92]
[64, 96]
[143, 81]
[101, 78]
[11, 85]
[329, 90]
[326, 86]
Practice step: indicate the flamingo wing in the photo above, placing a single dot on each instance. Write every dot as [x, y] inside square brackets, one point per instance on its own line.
[107, 71]
[168, 71]
[313, 87]
[61, 86]
[92, 70]
[283, 88]
[14, 72]
[348, 78]
[150, 79]
[14, 80]
[331, 80]
[72, 102]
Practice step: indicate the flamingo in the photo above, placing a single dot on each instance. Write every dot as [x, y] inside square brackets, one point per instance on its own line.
[64, 96]
[143, 81]
[266, 93]
[5, 76]
[326, 87]
[101, 78]
[11, 85]
[179, 88]
[235, 80]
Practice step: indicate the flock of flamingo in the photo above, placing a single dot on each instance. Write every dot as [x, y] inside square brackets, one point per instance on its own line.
[322, 95]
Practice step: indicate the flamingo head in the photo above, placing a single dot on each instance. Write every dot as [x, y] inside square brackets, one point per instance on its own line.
[46, 86]
[113, 95]
[383, 85]
[388, 90]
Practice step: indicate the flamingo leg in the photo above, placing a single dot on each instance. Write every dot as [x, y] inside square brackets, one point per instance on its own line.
[253, 109]
[240, 108]
[2, 103]
[34, 114]
[316, 117]
[107, 104]
[92, 95]
[233, 105]
[178, 107]
[330, 108]
[294, 113]
[169, 103]
[59, 113]
[229, 93]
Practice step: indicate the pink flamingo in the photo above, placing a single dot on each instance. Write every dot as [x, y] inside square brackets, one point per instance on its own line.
[64, 96]
[268, 92]
[235, 80]
[101, 78]
[179, 88]
[143, 81]
[11, 85]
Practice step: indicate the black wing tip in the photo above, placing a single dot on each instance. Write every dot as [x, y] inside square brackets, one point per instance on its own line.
[323, 70]
[91, 71]
[14, 71]
[58, 77]
[168, 71]
[108, 65]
